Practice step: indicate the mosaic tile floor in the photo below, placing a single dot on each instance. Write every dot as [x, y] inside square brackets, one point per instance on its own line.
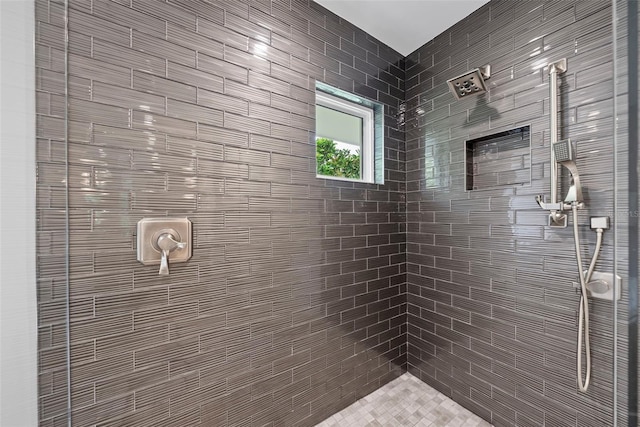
[405, 401]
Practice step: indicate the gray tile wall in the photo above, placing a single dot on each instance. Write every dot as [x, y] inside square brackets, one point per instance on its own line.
[492, 314]
[293, 305]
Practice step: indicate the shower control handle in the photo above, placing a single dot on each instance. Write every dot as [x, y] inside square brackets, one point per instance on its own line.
[164, 264]
[161, 238]
[166, 243]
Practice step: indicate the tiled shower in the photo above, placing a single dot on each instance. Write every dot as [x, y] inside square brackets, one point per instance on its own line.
[304, 295]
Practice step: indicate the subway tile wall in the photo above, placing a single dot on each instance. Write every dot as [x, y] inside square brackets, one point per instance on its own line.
[293, 305]
[296, 302]
[492, 314]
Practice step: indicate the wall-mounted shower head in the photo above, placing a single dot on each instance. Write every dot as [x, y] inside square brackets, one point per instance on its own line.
[470, 83]
[563, 152]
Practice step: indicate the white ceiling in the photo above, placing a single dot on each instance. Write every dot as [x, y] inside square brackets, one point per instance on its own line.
[405, 25]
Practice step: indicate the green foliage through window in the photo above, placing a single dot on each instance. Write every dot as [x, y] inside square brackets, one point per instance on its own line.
[336, 162]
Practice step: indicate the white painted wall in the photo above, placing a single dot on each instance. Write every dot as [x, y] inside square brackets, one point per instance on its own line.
[18, 315]
[403, 25]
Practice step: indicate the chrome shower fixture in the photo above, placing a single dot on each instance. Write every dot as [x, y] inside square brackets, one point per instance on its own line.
[470, 83]
[563, 153]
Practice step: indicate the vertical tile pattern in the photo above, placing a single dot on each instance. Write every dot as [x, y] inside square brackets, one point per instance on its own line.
[293, 305]
[492, 314]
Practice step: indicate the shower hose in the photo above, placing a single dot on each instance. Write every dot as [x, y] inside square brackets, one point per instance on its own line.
[583, 322]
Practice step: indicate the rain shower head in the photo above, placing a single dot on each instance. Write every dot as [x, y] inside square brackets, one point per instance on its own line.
[563, 153]
[470, 83]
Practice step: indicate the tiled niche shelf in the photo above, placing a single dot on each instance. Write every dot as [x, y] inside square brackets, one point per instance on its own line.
[499, 160]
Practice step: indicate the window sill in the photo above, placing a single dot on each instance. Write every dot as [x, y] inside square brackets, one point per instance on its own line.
[341, 178]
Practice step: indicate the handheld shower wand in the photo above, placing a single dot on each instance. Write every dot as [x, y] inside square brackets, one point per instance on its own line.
[564, 155]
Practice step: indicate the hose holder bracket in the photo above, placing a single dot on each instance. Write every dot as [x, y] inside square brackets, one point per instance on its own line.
[556, 217]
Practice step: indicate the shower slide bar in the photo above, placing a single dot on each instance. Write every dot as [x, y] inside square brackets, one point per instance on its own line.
[556, 216]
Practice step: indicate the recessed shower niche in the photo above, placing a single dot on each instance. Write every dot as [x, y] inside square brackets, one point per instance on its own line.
[499, 159]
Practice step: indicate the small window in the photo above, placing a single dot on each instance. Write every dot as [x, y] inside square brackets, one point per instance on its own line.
[346, 138]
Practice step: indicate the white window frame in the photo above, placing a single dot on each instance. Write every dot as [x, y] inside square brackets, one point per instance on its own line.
[367, 153]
